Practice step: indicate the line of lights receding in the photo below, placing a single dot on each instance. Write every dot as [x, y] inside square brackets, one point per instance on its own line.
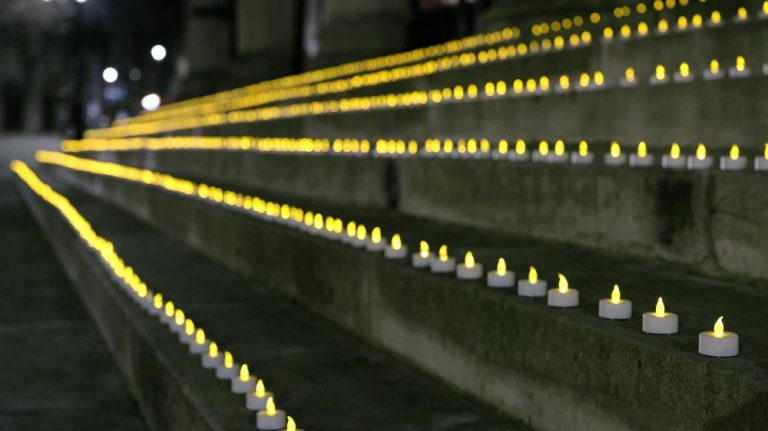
[156, 304]
[716, 343]
[533, 86]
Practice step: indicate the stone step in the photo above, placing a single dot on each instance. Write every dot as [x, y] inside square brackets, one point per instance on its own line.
[557, 369]
[324, 377]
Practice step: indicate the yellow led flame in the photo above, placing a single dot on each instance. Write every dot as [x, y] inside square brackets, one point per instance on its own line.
[629, 74]
[396, 243]
[189, 327]
[501, 267]
[615, 150]
[734, 153]
[660, 309]
[270, 409]
[213, 350]
[376, 235]
[559, 147]
[543, 148]
[442, 253]
[290, 425]
[741, 63]
[361, 232]
[200, 336]
[169, 309]
[520, 147]
[533, 275]
[318, 223]
[615, 294]
[674, 151]
[661, 72]
[260, 390]
[663, 26]
[157, 301]
[719, 329]
[423, 249]
[469, 260]
[765, 152]
[351, 229]
[562, 283]
[503, 147]
[244, 374]
[608, 33]
[565, 82]
[716, 17]
[642, 150]
[685, 70]
[741, 13]
[583, 149]
[229, 362]
[701, 151]
[179, 317]
[714, 66]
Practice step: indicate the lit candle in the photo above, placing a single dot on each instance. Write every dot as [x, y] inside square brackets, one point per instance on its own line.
[200, 343]
[615, 308]
[532, 287]
[659, 76]
[715, 19]
[187, 334]
[741, 15]
[713, 71]
[629, 79]
[396, 249]
[469, 270]
[733, 161]
[500, 277]
[582, 156]
[375, 243]
[212, 358]
[244, 382]
[168, 312]
[270, 418]
[256, 399]
[659, 321]
[178, 321]
[700, 160]
[443, 263]
[543, 153]
[351, 232]
[423, 257]
[559, 154]
[291, 425]
[227, 369]
[763, 13]
[683, 73]
[157, 305]
[739, 69]
[673, 159]
[718, 343]
[520, 152]
[615, 157]
[360, 237]
[761, 162]
[563, 296]
[641, 158]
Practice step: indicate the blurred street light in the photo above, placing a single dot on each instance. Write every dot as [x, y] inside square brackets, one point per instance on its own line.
[158, 52]
[110, 75]
[150, 102]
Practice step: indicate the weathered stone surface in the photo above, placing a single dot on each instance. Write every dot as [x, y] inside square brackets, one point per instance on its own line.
[557, 369]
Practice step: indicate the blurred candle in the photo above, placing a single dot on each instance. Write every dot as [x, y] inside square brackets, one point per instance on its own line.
[244, 382]
[423, 258]
[396, 249]
[212, 358]
[761, 161]
[291, 425]
[641, 158]
[256, 400]
[443, 263]
[739, 69]
[733, 161]
[375, 243]
[200, 343]
[615, 157]
[660, 321]
[582, 156]
[270, 418]
[673, 160]
[700, 160]
[659, 76]
[227, 369]
[500, 277]
[532, 287]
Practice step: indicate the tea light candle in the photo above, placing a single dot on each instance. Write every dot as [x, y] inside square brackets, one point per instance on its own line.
[359, 240]
[157, 305]
[256, 400]
[244, 382]
[177, 326]
[521, 152]
[533, 287]
[187, 335]
[501, 277]
[734, 161]
[423, 258]
[200, 343]
[660, 322]
[740, 69]
[660, 76]
[582, 156]
[168, 313]
[443, 263]
[212, 359]
[683, 74]
[700, 160]
[629, 79]
[641, 159]
[542, 154]
[558, 155]
[718, 343]
[469, 270]
[375, 243]
[270, 418]
[227, 369]
[615, 308]
[615, 157]
[761, 163]
[673, 159]
[713, 72]
[396, 249]
[351, 233]
[291, 425]
[563, 296]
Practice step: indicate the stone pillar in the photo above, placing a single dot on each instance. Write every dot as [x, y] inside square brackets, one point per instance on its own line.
[207, 47]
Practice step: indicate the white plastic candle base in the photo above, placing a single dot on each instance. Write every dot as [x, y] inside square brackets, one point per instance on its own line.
[500, 281]
[636, 161]
[679, 78]
[474, 273]
[667, 162]
[176, 328]
[733, 72]
[578, 159]
[155, 311]
[532, 290]
[186, 339]
[569, 299]
[695, 163]
[225, 373]
[256, 404]
[391, 253]
[358, 243]
[653, 324]
[198, 348]
[274, 422]
[624, 83]
[718, 347]
[557, 159]
[538, 157]
[615, 161]
[243, 387]
[728, 164]
[209, 362]
[613, 311]
[708, 75]
[375, 246]
[519, 157]
[656, 81]
[761, 164]
[419, 261]
[442, 266]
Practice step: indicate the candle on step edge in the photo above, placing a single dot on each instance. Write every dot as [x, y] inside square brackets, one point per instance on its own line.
[673, 159]
[244, 382]
[200, 343]
[256, 400]
[212, 358]
[423, 257]
[291, 425]
[187, 334]
[761, 163]
[660, 321]
[360, 237]
[615, 157]
[375, 243]
[500, 277]
[396, 249]
[469, 270]
[733, 161]
[443, 263]
[718, 343]
[270, 418]
[641, 158]
[157, 305]
[532, 287]
[615, 308]
[227, 369]
[178, 321]
[563, 296]
[700, 160]
[168, 312]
